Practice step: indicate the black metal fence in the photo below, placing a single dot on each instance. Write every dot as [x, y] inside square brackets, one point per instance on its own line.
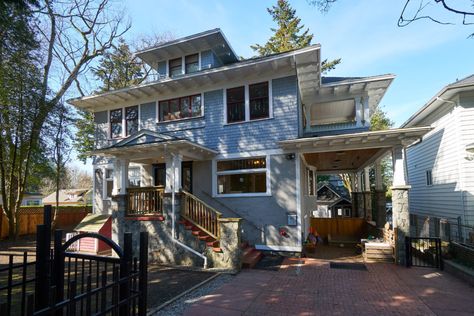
[423, 252]
[60, 282]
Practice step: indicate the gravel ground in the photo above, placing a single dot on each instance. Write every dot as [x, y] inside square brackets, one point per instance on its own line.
[178, 307]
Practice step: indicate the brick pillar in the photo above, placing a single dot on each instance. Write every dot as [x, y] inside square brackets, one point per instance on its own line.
[119, 209]
[381, 212]
[230, 234]
[401, 220]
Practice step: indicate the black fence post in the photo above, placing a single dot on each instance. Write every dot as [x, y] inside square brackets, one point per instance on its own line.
[58, 267]
[438, 251]
[407, 251]
[42, 267]
[125, 266]
[143, 271]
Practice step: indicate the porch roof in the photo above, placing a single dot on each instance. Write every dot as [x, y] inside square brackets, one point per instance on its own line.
[348, 153]
[146, 145]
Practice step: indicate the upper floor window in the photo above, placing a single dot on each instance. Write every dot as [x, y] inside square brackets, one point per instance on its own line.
[116, 123]
[175, 67]
[180, 108]
[258, 96]
[236, 105]
[429, 178]
[248, 103]
[242, 176]
[191, 63]
[131, 119]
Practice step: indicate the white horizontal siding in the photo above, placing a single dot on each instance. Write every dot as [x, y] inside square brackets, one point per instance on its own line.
[438, 152]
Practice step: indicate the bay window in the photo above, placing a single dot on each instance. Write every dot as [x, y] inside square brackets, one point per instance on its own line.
[116, 123]
[131, 120]
[242, 176]
[248, 103]
[180, 108]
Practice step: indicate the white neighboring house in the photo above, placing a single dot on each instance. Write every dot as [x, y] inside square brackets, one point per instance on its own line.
[441, 166]
[29, 199]
[70, 197]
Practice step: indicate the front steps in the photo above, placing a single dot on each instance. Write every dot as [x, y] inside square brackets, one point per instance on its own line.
[378, 252]
[250, 256]
[201, 235]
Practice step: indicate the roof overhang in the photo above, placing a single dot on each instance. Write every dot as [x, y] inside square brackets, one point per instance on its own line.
[283, 64]
[214, 40]
[442, 97]
[347, 153]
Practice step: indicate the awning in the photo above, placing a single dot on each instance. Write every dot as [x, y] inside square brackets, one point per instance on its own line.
[92, 223]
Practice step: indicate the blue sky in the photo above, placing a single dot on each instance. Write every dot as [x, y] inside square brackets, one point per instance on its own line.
[424, 56]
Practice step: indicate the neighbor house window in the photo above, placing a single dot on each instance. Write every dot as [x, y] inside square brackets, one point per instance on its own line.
[131, 120]
[116, 123]
[258, 97]
[311, 182]
[241, 176]
[175, 67]
[429, 177]
[108, 183]
[180, 108]
[248, 103]
[134, 177]
[191, 63]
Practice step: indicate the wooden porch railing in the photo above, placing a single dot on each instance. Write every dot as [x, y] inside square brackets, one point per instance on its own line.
[145, 200]
[200, 214]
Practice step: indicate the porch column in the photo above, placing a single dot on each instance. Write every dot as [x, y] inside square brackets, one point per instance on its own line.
[359, 112]
[380, 202]
[173, 172]
[400, 209]
[120, 176]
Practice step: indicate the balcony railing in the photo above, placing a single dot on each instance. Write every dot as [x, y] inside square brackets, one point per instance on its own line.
[200, 214]
[145, 201]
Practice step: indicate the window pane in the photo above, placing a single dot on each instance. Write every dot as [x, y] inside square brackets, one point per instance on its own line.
[175, 67]
[109, 173]
[192, 63]
[235, 105]
[236, 95]
[116, 123]
[164, 110]
[242, 183]
[196, 105]
[185, 107]
[110, 186]
[174, 110]
[259, 104]
[160, 175]
[134, 177]
[131, 119]
[241, 164]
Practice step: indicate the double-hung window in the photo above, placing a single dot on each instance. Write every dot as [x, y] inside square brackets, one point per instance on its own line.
[116, 123]
[191, 63]
[108, 183]
[175, 67]
[134, 177]
[131, 120]
[242, 176]
[247, 103]
[180, 108]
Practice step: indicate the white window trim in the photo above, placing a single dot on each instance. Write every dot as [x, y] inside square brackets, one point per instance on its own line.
[215, 174]
[247, 102]
[104, 181]
[183, 119]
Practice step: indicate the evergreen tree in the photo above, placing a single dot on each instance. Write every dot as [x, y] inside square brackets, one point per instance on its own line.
[289, 35]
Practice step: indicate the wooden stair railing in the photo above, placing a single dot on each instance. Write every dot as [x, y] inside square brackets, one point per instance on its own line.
[145, 201]
[200, 214]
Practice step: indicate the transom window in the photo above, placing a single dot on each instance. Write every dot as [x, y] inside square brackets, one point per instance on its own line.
[191, 63]
[116, 123]
[242, 176]
[248, 103]
[180, 108]
[131, 119]
[175, 67]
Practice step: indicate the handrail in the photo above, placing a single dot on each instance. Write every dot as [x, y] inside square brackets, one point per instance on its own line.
[201, 214]
[145, 200]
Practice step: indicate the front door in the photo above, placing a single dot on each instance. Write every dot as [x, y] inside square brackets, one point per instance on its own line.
[187, 176]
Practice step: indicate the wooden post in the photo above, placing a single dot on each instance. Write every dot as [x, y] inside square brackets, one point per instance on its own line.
[142, 281]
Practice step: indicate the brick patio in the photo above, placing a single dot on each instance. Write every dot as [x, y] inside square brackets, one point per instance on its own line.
[311, 287]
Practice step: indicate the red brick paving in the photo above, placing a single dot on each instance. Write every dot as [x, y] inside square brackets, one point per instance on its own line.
[312, 288]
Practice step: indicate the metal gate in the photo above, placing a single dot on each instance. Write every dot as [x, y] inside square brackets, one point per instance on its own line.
[423, 252]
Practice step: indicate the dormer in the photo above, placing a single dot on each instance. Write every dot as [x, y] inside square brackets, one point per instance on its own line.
[189, 54]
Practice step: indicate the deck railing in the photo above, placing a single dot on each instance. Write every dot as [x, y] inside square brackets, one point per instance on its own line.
[145, 201]
[200, 214]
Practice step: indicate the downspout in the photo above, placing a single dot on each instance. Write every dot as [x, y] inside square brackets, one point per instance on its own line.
[173, 217]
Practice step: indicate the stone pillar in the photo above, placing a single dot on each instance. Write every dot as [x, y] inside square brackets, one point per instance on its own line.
[367, 195]
[400, 208]
[118, 206]
[380, 201]
[230, 240]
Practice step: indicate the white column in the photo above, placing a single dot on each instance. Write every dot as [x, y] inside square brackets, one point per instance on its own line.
[120, 176]
[378, 176]
[366, 111]
[173, 172]
[366, 179]
[359, 114]
[398, 157]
